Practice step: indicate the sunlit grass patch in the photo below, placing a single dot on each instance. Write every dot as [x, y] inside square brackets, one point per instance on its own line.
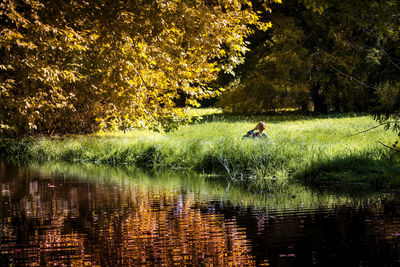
[203, 111]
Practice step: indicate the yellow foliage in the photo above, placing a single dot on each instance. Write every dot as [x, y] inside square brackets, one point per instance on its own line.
[85, 66]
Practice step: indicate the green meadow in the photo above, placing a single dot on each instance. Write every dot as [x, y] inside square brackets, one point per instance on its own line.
[323, 151]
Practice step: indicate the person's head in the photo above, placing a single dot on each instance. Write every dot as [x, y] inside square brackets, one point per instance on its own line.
[261, 126]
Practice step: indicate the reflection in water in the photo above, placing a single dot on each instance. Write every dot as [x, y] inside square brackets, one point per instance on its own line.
[60, 217]
[48, 220]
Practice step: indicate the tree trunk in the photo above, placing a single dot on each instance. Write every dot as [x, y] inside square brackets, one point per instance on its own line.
[318, 99]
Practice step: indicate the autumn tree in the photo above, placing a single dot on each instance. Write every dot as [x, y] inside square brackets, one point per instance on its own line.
[81, 66]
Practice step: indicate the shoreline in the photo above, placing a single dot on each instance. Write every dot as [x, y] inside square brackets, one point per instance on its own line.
[314, 152]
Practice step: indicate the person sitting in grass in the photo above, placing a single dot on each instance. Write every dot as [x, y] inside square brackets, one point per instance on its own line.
[261, 126]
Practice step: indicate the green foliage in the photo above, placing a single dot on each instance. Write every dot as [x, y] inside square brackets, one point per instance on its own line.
[326, 56]
[81, 66]
[276, 74]
[388, 107]
[388, 96]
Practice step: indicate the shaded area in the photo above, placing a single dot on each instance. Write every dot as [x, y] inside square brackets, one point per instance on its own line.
[352, 173]
[360, 235]
[274, 117]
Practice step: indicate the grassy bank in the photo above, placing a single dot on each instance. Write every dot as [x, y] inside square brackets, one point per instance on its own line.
[313, 150]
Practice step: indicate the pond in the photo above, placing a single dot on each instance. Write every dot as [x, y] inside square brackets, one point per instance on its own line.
[58, 214]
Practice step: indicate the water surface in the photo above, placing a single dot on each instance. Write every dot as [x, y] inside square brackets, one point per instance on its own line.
[57, 214]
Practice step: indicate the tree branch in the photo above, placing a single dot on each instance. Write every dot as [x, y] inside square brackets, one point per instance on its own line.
[350, 77]
[388, 56]
[374, 127]
[392, 148]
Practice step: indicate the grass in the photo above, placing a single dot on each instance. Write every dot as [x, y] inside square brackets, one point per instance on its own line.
[317, 151]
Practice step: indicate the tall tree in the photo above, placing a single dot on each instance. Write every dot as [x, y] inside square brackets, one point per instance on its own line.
[275, 74]
[332, 54]
[80, 66]
[378, 24]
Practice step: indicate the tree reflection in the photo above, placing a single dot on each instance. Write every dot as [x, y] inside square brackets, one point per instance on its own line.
[47, 221]
[111, 217]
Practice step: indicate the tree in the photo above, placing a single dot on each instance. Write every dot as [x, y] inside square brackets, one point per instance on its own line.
[275, 74]
[378, 24]
[300, 60]
[81, 66]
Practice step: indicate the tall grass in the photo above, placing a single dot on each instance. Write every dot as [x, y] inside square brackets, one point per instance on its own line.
[314, 150]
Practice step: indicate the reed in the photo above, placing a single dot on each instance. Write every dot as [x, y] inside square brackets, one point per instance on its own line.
[322, 150]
